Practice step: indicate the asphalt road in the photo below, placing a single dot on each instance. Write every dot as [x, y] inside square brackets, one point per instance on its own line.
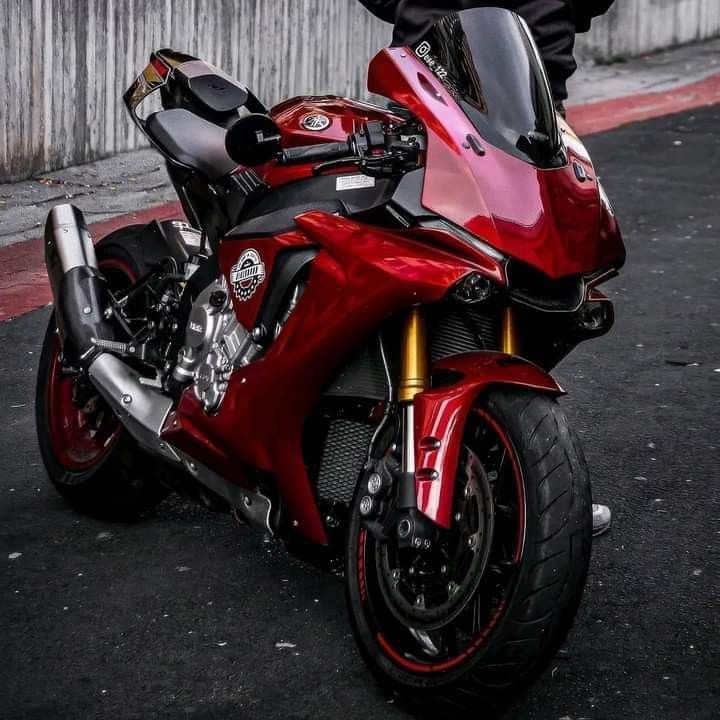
[185, 615]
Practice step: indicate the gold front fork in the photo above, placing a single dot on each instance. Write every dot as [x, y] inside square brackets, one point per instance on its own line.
[414, 378]
[414, 373]
[509, 332]
[415, 368]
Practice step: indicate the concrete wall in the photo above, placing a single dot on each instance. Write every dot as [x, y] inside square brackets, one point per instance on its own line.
[64, 64]
[634, 27]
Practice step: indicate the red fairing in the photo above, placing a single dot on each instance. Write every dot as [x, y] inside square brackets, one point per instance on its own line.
[555, 220]
[440, 416]
[360, 277]
[492, 268]
[549, 219]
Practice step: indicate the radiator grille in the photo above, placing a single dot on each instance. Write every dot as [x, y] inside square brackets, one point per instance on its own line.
[343, 457]
[463, 330]
[363, 377]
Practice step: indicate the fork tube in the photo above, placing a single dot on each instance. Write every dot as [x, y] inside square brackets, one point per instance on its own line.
[414, 379]
[509, 332]
[414, 371]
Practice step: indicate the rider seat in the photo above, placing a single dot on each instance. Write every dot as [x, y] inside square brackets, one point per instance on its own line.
[191, 141]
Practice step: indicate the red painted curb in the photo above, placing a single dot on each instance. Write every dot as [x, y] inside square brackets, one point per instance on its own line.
[610, 114]
[23, 281]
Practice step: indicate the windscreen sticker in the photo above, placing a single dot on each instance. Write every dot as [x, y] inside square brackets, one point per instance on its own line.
[424, 52]
[354, 182]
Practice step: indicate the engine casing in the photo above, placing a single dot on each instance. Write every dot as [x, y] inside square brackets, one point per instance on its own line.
[215, 343]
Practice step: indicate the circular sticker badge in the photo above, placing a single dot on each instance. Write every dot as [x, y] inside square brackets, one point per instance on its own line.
[247, 274]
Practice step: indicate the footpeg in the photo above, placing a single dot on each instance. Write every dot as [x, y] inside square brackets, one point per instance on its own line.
[135, 350]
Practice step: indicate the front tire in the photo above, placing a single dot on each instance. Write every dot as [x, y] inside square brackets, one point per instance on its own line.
[519, 608]
[90, 459]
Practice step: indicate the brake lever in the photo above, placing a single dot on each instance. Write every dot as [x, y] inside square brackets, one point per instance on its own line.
[331, 164]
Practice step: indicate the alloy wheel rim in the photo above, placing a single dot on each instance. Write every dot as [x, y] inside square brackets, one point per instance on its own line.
[447, 641]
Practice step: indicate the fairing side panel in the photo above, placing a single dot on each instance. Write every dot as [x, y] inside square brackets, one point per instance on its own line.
[549, 219]
[359, 278]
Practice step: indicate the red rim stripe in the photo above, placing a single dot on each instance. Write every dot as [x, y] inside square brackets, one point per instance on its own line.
[477, 643]
[448, 664]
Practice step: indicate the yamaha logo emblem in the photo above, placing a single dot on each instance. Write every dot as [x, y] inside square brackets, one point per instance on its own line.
[247, 274]
[317, 122]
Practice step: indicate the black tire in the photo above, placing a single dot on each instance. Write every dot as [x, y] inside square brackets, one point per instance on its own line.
[122, 484]
[544, 595]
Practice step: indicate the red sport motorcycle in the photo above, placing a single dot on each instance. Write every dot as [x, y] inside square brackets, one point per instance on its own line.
[347, 342]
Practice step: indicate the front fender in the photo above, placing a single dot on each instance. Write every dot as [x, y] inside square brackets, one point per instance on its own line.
[441, 413]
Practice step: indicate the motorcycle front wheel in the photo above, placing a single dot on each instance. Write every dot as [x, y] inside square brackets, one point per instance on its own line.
[472, 622]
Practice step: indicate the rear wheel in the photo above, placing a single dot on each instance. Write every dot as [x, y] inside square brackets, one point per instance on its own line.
[471, 622]
[88, 456]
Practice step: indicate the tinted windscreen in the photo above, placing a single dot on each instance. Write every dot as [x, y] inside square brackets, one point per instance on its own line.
[487, 60]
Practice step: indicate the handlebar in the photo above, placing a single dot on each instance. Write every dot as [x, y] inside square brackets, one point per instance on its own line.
[317, 153]
[377, 151]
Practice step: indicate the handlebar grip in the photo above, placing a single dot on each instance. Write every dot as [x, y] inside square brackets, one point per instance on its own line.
[316, 153]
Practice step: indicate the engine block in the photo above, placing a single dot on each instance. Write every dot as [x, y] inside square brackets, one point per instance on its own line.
[215, 344]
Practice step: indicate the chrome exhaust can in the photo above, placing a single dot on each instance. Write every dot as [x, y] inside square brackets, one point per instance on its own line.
[78, 288]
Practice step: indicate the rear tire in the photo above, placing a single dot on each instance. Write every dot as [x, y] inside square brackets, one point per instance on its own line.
[90, 459]
[532, 614]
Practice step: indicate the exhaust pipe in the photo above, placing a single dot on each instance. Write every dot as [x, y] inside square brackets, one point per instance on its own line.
[143, 410]
[80, 298]
[77, 286]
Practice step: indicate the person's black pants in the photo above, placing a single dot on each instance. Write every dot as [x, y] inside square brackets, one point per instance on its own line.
[553, 24]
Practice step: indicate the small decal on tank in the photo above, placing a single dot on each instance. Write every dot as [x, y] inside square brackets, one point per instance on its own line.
[316, 122]
[247, 274]
[354, 182]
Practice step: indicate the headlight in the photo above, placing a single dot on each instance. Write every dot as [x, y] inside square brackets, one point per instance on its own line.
[473, 288]
[595, 318]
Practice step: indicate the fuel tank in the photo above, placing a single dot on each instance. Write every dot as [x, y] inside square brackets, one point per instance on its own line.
[317, 119]
[323, 119]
